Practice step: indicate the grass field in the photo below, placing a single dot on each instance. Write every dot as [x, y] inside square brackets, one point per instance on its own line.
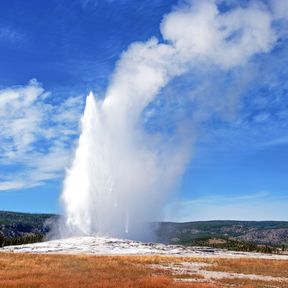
[42, 270]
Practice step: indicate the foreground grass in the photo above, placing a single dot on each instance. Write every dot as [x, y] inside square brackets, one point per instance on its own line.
[32, 270]
[264, 267]
[260, 267]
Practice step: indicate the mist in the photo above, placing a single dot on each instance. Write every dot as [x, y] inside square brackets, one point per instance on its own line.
[123, 174]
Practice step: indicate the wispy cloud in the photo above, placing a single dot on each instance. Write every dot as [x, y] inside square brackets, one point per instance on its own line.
[9, 34]
[257, 206]
[94, 3]
[35, 135]
[279, 141]
[214, 199]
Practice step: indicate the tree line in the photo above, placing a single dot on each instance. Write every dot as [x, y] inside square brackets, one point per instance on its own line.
[19, 240]
[234, 245]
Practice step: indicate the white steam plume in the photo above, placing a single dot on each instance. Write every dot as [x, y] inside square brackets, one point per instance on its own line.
[121, 175]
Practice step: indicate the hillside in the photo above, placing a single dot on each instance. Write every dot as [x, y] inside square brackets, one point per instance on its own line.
[15, 225]
[219, 233]
[235, 235]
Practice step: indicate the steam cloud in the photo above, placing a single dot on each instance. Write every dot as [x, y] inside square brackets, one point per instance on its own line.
[122, 175]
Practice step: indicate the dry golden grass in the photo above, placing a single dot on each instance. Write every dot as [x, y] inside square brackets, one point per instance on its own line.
[32, 270]
[265, 267]
[246, 283]
[189, 276]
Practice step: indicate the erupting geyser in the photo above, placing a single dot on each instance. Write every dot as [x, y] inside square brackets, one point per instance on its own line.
[114, 183]
[84, 182]
[121, 173]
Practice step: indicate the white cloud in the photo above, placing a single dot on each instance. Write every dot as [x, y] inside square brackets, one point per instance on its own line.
[279, 8]
[35, 135]
[11, 185]
[21, 118]
[200, 31]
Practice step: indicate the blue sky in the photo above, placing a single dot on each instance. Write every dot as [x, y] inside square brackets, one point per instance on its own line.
[52, 53]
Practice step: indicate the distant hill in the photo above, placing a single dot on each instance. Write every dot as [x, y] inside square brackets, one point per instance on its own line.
[15, 224]
[224, 233]
[19, 228]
